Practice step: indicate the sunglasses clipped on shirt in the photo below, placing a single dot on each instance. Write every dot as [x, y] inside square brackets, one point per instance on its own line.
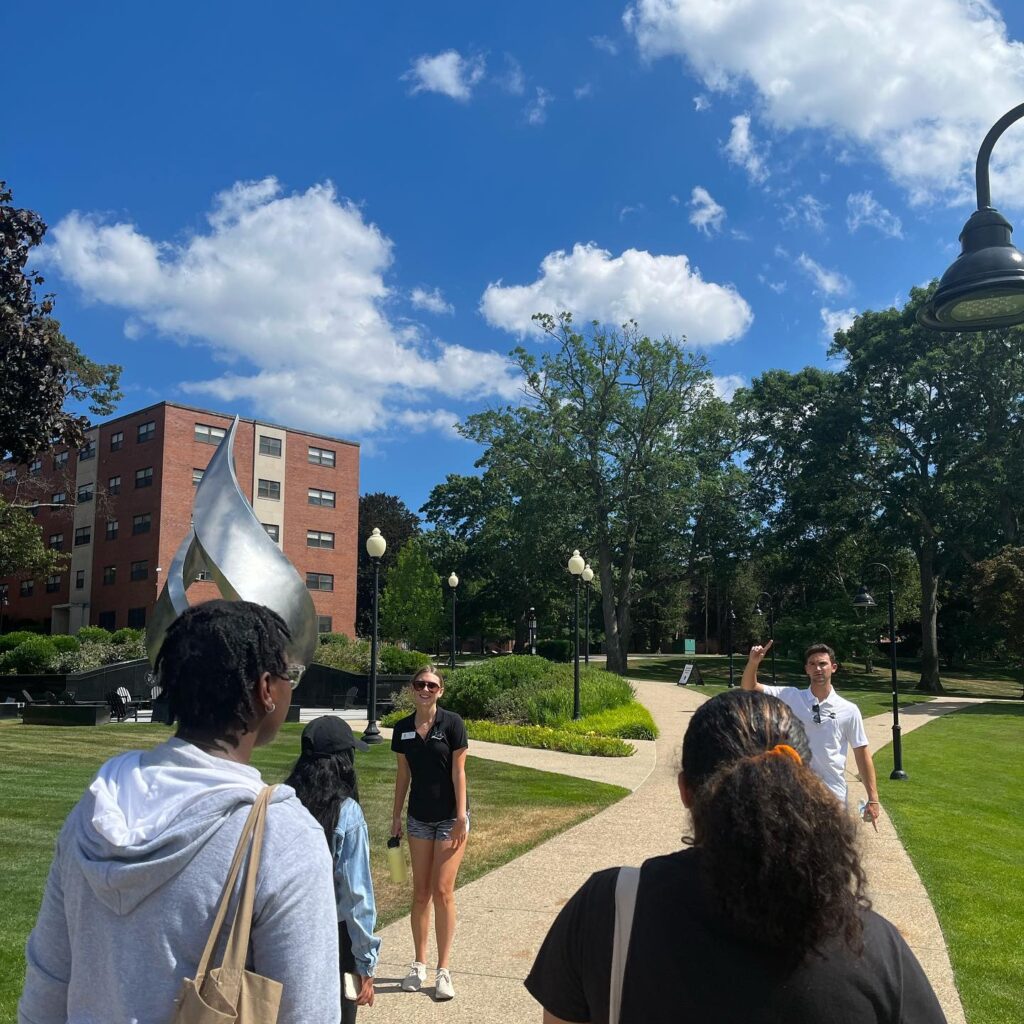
[420, 684]
[818, 713]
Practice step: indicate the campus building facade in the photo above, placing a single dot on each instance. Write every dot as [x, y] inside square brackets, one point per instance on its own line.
[121, 506]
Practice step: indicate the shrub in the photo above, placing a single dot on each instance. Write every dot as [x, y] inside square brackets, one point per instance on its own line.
[65, 643]
[342, 652]
[548, 739]
[333, 638]
[11, 640]
[29, 657]
[125, 636]
[554, 650]
[90, 634]
[629, 722]
[398, 661]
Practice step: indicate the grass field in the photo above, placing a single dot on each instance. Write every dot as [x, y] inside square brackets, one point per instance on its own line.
[961, 819]
[43, 771]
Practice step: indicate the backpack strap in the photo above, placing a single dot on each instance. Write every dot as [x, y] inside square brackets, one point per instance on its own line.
[625, 904]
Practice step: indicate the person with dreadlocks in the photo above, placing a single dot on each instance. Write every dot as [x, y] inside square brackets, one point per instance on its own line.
[324, 779]
[142, 859]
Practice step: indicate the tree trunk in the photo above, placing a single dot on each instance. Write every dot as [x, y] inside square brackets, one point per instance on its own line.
[613, 640]
[929, 613]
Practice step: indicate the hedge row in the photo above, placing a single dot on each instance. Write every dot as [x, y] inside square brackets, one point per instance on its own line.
[339, 651]
[24, 653]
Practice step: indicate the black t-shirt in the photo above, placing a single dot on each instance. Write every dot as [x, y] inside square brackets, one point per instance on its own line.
[432, 797]
[682, 966]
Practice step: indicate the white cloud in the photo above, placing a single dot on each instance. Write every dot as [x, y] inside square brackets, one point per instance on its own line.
[776, 286]
[836, 320]
[627, 211]
[807, 210]
[706, 215]
[828, 282]
[664, 294]
[432, 301]
[745, 151]
[604, 43]
[291, 290]
[701, 103]
[863, 208]
[513, 81]
[917, 86]
[726, 386]
[584, 91]
[537, 110]
[448, 73]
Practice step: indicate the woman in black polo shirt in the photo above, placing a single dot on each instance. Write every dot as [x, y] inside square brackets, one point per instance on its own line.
[431, 747]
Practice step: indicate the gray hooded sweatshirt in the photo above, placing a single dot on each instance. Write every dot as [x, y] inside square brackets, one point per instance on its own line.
[136, 878]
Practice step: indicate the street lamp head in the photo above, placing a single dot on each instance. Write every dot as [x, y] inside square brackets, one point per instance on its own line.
[757, 610]
[453, 581]
[587, 574]
[576, 563]
[863, 598]
[376, 545]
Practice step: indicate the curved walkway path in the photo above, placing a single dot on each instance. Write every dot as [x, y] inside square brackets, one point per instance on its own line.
[504, 916]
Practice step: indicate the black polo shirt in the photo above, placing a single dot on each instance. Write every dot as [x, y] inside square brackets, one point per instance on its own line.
[432, 797]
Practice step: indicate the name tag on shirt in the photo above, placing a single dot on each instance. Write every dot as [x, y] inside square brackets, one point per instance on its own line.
[409, 735]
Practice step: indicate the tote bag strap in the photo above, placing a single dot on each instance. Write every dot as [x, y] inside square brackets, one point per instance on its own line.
[257, 812]
[625, 904]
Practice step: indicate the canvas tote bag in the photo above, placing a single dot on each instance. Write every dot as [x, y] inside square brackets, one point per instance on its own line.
[230, 993]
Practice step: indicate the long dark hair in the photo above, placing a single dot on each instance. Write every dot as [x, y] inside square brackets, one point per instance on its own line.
[323, 783]
[778, 850]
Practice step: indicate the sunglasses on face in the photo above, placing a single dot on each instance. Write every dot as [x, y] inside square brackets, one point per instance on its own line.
[422, 684]
[293, 673]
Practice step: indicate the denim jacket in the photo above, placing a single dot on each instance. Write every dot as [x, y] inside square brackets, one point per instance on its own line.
[353, 886]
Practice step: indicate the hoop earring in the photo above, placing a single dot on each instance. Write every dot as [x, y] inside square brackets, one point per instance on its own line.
[271, 708]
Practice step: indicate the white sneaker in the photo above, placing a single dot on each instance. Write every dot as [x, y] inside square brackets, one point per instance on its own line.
[415, 978]
[443, 985]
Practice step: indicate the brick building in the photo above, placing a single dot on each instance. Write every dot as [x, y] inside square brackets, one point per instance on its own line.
[122, 505]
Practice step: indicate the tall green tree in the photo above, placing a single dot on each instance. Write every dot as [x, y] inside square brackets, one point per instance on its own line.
[999, 595]
[398, 524]
[22, 550]
[42, 370]
[411, 609]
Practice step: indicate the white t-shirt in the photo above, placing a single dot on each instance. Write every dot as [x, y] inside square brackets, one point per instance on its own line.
[836, 726]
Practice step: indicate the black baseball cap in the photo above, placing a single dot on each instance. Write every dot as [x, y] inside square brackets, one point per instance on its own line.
[329, 735]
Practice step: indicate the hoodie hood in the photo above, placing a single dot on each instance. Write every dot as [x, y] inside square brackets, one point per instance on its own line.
[148, 813]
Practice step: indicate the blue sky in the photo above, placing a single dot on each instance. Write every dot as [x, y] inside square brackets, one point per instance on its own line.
[341, 216]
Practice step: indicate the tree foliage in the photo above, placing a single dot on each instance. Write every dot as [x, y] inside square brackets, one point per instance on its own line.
[999, 595]
[411, 608]
[397, 523]
[23, 552]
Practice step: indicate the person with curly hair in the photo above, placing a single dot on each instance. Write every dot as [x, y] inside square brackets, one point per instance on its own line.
[763, 919]
[143, 857]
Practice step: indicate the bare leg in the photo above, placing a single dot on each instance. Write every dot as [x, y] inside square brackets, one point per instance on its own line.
[447, 858]
[421, 852]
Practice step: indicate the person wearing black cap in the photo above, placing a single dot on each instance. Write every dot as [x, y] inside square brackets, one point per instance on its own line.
[324, 778]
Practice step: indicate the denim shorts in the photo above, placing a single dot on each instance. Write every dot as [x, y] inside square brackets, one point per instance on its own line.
[439, 831]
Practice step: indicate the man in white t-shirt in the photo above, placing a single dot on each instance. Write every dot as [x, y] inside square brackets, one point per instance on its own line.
[832, 724]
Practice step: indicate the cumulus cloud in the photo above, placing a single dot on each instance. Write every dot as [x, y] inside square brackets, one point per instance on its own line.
[705, 214]
[432, 301]
[448, 73]
[727, 385]
[745, 151]
[918, 96]
[827, 282]
[288, 289]
[664, 294]
[863, 209]
[537, 110]
[836, 320]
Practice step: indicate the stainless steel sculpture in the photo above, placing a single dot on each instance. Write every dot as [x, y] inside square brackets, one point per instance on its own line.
[228, 541]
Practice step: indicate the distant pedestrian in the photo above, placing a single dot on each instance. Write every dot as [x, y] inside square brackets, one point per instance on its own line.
[431, 746]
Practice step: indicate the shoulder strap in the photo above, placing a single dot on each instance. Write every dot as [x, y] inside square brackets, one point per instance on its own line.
[625, 903]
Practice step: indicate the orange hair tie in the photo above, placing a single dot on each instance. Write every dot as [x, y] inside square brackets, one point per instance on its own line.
[785, 750]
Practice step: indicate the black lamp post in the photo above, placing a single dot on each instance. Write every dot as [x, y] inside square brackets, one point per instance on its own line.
[453, 582]
[588, 577]
[531, 625]
[771, 624]
[3, 606]
[731, 621]
[376, 545]
[864, 599]
[984, 287]
[576, 567]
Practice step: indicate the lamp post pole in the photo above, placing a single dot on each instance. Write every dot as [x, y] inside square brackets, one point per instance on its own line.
[453, 582]
[771, 625]
[576, 567]
[376, 545]
[588, 578]
[730, 619]
[531, 625]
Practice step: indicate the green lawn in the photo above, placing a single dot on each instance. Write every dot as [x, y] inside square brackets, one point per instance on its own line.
[43, 771]
[961, 818]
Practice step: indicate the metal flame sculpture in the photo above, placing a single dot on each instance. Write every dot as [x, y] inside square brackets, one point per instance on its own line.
[228, 541]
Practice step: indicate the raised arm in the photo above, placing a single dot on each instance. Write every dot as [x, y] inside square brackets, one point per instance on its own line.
[756, 656]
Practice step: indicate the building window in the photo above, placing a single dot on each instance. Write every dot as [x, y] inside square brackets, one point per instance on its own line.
[142, 523]
[273, 531]
[111, 529]
[109, 575]
[58, 499]
[144, 477]
[319, 581]
[197, 475]
[147, 431]
[270, 446]
[140, 570]
[319, 539]
[323, 498]
[204, 576]
[33, 509]
[136, 618]
[84, 493]
[35, 467]
[269, 489]
[117, 441]
[56, 541]
[209, 435]
[60, 460]
[79, 579]
[26, 587]
[114, 485]
[321, 457]
[88, 452]
[323, 623]
[10, 475]
[107, 620]
[83, 535]
[52, 584]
